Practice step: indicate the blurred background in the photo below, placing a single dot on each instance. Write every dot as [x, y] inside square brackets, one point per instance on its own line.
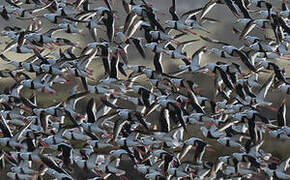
[221, 31]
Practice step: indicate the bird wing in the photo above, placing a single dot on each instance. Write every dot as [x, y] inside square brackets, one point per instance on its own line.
[181, 46]
[194, 101]
[153, 19]
[5, 128]
[126, 6]
[207, 7]
[231, 6]
[138, 44]
[281, 115]
[94, 33]
[51, 163]
[18, 135]
[265, 88]
[86, 60]
[110, 25]
[84, 83]
[189, 14]
[164, 120]
[118, 127]
[133, 28]
[227, 126]
[172, 11]
[195, 59]
[129, 21]
[114, 67]
[213, 40]
[157, 62]
[71, 100]
[37, 9]
[44, 120]
[133, 136]
[108, 4]
[91, 111]
[284, 6]
[242, 7]
[12, 3]
[152, 108]
[247, 29]
[245, 60]
[185, 150]
[284, 165]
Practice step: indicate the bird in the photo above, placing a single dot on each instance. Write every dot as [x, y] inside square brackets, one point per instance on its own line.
[196, 106]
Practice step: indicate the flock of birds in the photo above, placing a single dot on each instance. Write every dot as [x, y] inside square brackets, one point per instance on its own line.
[144, 115]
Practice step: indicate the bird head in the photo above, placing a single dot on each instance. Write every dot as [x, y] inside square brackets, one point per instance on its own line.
[170, 23]
[151, 45]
